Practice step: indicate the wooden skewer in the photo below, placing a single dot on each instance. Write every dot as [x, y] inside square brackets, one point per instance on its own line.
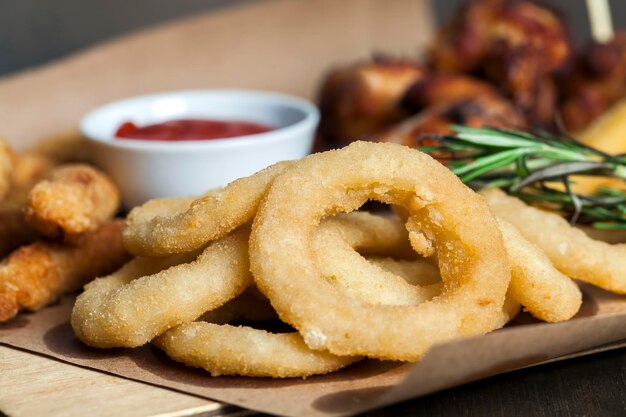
[600, 20]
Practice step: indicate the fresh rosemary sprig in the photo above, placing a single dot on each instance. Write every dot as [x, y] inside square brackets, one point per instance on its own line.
[538, 168]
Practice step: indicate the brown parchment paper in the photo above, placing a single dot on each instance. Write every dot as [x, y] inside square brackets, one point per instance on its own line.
[600, 325]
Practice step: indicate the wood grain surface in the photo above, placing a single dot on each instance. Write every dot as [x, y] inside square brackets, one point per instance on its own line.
[33, 385]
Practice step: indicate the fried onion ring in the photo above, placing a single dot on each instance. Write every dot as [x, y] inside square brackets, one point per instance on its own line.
[420, 272]
[414, 272]
[156, 229]
[339, 238]
[140, 301]
[545, 292]
[388, 281]
[229, 350]
[463, 231]
[569, 249]
[239, 350]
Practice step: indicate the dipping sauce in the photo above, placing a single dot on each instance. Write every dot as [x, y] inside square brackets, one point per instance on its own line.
[190, 129]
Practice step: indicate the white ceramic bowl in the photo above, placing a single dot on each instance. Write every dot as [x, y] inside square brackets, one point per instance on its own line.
[150, 169]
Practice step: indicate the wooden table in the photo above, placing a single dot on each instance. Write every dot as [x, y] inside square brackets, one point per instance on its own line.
[591, 386]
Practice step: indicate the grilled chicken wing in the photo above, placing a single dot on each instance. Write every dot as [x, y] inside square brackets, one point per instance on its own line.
[517, 45]
[476, 105]
[362, 99]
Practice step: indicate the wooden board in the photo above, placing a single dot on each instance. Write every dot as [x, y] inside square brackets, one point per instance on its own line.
[33, 385]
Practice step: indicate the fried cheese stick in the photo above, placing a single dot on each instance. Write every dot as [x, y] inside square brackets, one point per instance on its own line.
[36, 275]
[76, 199]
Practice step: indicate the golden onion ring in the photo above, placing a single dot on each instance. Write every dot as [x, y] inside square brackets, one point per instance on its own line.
[569, 249]
[335, 246]
[148, 296]
[222, 349]
[178, 225]
[471, 254]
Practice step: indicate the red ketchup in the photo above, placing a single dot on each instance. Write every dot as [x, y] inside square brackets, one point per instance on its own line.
[190, 129]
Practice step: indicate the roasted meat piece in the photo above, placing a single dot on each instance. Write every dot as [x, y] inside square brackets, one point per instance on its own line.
[438, 89]
[441, 100]
[518, 45]
[362, 99]
[436, 101]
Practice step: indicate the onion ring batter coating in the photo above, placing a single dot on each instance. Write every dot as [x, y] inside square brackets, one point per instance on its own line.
[229, 350]
[160, 207]
[544, 291]
[149, 233]
[337, 237]
[414, 272]
[463, 231]
[140, 301]
[335, 245]
[420, 272]
[569, 249]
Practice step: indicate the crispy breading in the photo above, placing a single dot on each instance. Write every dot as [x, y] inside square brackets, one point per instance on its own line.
[76, 199]
[569, 249]
[36, 275]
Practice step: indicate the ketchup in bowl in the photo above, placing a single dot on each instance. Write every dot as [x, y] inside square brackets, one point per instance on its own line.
[190, 129]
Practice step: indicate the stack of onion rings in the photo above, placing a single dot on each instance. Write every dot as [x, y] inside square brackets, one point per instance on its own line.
[352, 285]
[471, 254]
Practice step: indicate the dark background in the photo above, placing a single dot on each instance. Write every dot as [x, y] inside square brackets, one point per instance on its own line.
[575, 10]
[35, 31]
